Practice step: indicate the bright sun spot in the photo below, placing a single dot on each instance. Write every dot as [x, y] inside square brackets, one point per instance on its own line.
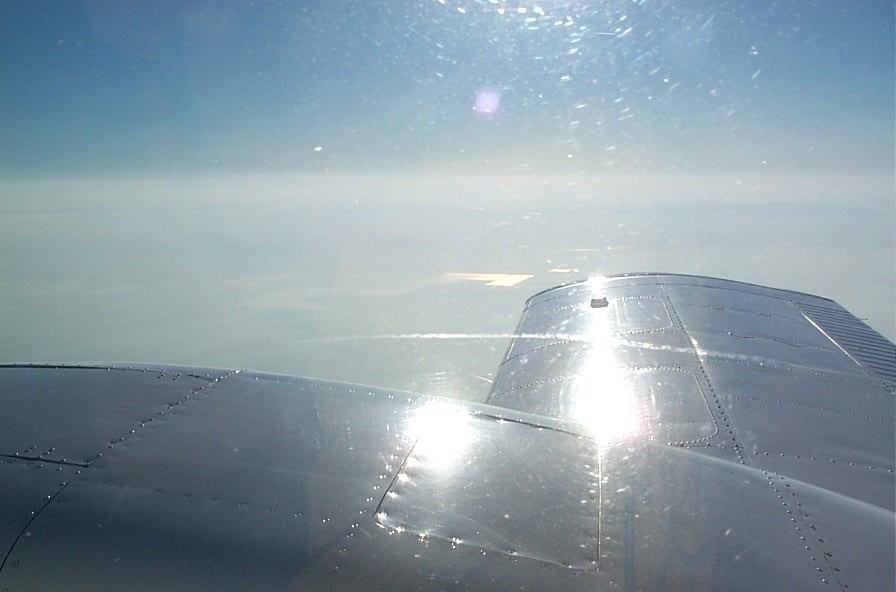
[606, 405]
[442, 430]
[605, 402]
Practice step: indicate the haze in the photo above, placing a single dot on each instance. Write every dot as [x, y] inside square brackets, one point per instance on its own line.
[324, 190]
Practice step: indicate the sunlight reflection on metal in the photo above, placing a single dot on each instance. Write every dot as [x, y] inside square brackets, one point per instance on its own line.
[442, 430]
[605, 402]
[597, 283]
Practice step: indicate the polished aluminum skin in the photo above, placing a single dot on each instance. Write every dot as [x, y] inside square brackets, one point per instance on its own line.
[644, 432]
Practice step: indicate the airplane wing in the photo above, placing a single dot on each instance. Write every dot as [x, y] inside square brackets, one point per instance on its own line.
[644, 432]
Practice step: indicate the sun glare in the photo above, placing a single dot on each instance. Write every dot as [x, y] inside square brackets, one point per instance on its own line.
[443, 432]
[605, 402]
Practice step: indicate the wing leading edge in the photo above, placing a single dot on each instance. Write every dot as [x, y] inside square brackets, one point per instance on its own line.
[643, 432]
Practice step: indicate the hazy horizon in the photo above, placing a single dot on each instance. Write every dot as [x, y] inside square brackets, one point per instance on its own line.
[349, 278]
[314, 189]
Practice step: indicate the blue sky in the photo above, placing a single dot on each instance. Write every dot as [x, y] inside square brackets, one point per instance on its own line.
[339, 86]
[153, 160]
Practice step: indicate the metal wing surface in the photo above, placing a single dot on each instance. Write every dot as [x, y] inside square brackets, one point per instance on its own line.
[644, 432]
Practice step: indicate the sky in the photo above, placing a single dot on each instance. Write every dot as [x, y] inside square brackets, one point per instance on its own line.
[353, 277]
[310, 187]
[620, 86]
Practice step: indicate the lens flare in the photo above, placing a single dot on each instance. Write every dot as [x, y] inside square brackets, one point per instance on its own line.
[487, 101]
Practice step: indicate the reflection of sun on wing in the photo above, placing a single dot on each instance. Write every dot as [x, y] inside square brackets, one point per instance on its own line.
[606, 405]
[605, 401]
[442, 431]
